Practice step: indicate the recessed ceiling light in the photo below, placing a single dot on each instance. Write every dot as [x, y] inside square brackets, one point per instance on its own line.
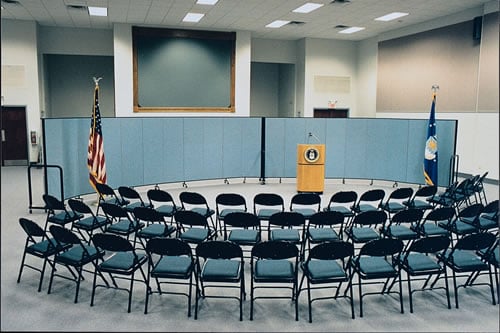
[391, 16]
[206, 2]
[307, 8]
[277, 24]
[193, 17]
[98, 11]
[351, 30]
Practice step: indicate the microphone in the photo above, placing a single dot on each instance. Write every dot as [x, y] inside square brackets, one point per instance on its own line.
[314, 136]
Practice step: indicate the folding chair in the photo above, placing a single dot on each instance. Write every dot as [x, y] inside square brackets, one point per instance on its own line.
[341, 202]
[108, 195]
[57, 213]
[266, 204]
[290, 227]
[424, 259]
[328, 265]
[421, 197]
[76, 257]
[163, 203]
[171, 262]
[368, 201]
[131, 195]
[306, 204]
[377, 263]
[38, 244]
[324, 226]
[242, 228]
[121, 222]
[226, 203]
[464, 261]
[89, 222]
[220, 265]
[193, 227]
[155, 224]
[196, 202]
[121, 262]
[274, 265]
[396, 199]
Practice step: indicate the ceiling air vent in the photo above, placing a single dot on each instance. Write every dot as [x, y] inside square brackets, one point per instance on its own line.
[79, 7]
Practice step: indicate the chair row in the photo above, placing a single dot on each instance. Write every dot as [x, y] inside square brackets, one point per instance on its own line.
[216, 267]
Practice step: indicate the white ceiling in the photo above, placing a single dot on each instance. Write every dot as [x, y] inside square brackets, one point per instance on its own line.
[241, 15]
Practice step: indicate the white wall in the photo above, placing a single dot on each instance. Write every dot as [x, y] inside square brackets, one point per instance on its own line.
[20, 62]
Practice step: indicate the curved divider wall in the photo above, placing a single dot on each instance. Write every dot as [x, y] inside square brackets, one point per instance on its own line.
[144, 151]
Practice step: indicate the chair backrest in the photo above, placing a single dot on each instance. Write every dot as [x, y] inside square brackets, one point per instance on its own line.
[129, 193]
[440, 214]
[158, 195]
[114, 211]
[382, 247]
[491, 208]
[372, 196]
[147, 214]
[112, 242]
[287, 219]
[104, 189]
[230, 199]
[52, 203]
[371, 217]
[400, 194]
[63, 235]
[268, 199]
[190, 218]
[192, 198]
[432, 244]
[326, 218]
[426, 191]
[332, 250]
[275, 249]
[168, 247]
[31, 228]
[472, 211]
[344, 197]
[306, 199]
[242, 220]
[218, 249]
[475, 241]
[78, 206]
[410, 215]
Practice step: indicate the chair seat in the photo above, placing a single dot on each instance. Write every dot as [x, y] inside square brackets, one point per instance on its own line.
[321, 271]
[365, 207]
[203, 211]
[130, 207]
[45, 248]
[123, 263]
[431, 229]
[401, 232]
[63, 218]
[289, 235]
[244, 236]
[317, 235]
[363, 235]
[306, 212]
[156, 230]
[393, 207]
[421, 204]
[420, 264]
[195, 235]
[267, 212]
[274, 271]
[375, 267]
[166, 210]
[459, 227]
[341, 209]
[173, 267]
[76, 256]
[221, 270]
[89, 223]
[466, 261]
[125, 227]
[223, 213]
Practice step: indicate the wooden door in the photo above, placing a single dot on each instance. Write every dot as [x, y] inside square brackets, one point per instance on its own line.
[14, 136]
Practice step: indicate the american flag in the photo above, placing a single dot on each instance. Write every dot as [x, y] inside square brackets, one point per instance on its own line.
[95, 160]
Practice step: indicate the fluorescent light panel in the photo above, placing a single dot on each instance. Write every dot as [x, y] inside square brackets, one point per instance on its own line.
[277, 24]
[206, 2]
[307, 8]
[351, 30]
[391, 16]
[98, 11]
[193, 17]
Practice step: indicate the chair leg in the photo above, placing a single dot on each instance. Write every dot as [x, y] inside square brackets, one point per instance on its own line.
[401, 293]
[410, 296]
[80, 277]
[309, 303]
[360, 299]
[455, 289]
[21, 268]
[130, 292]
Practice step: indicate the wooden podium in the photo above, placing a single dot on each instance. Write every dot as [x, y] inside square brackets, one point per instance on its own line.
[310, 168]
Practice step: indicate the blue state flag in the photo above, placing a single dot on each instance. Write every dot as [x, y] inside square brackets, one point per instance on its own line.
[431, 148]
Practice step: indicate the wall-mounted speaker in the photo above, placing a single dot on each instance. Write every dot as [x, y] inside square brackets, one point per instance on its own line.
[477, 27]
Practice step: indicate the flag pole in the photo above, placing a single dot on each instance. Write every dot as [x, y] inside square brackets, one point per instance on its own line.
[96, 81]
